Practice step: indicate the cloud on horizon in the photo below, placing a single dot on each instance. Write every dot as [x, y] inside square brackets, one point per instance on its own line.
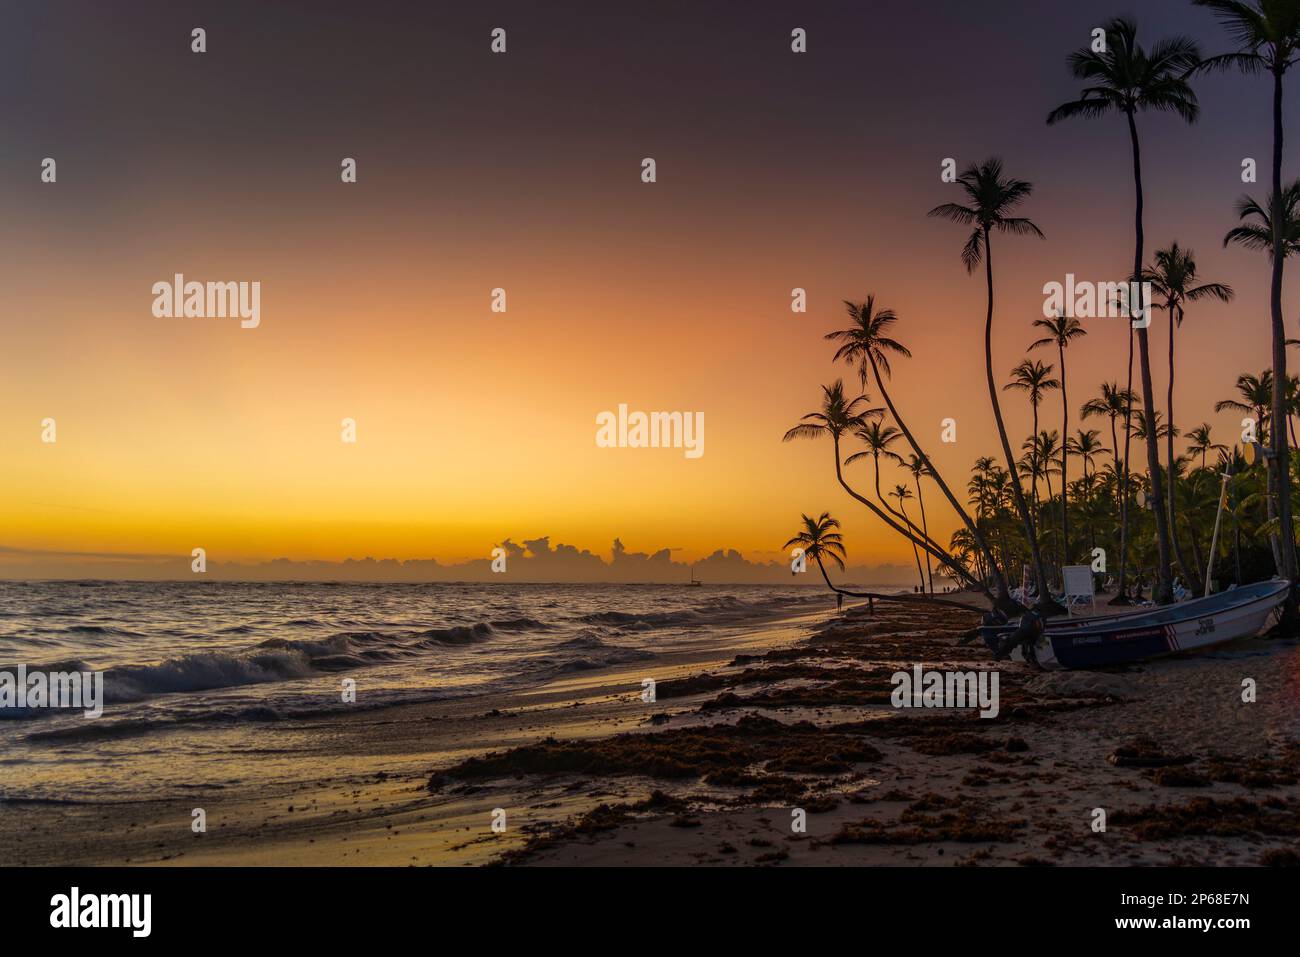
[532, 560]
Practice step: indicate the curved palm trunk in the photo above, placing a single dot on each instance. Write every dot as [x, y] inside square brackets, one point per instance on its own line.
[1161, 591]
[1281, 453]
[928, 599]
[1189, 571]
[1065, 475]
[999, 578]
[925, 527]
[915, 554]
[1044, 596]
[939, 554]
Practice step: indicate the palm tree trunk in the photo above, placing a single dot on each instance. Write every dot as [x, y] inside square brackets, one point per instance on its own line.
[915, 554]
[925, 527]
[1044, 596]
[1281, 452]
[999, 579]
[1161, 592]
[939, 554]
[1121, 598]
[1065, 475]
[1190, 573]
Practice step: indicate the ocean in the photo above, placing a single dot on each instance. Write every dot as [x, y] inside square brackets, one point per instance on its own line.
[188, 667]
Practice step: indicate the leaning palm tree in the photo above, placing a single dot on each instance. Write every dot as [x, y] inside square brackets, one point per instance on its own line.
[1061, 331]
[1199, 441]
[1124, 78]
[991, 198]
[878, 438]
[869, 341]
[1173, 281]
[1267, 34]
[903, 493]
[918, 467]
[839, 414]
[820, 540]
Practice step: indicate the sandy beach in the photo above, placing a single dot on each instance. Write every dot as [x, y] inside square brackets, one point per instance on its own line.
[789, 717]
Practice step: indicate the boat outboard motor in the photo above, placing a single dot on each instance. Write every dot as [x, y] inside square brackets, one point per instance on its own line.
[990, 619]
[1030, 630]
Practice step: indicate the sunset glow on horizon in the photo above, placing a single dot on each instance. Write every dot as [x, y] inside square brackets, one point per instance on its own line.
[477, 173]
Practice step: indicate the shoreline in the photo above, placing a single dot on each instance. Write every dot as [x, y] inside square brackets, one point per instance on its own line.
[789, 715]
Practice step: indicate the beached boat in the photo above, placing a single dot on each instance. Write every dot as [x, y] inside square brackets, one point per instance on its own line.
[1119, 639]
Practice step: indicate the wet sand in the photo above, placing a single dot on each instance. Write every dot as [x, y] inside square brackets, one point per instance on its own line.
[741, 739]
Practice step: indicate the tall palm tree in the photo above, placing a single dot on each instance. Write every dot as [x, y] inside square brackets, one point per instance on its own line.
[1199, 440]
[1035, 379]
[1174, 284]
[1127, 79]
[1267, 34]
[839, 414]
[903, 493]
[820, 540]
[918, 467]
[1112, 403]
[1086, 445]
[991, 198]
[869, 341]
[1061, 331]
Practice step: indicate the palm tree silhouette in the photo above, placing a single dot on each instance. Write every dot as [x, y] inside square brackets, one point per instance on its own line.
[820, 540]
[1085, 444]
[1127, 79]
[868, 341]
[839, 414]
[903, 493]
[878, 438]
[1112, 403]
[1061, 331]
[1174, 283]
[1267, 34]
[1199, 440]
[991, 197]
[918, 467]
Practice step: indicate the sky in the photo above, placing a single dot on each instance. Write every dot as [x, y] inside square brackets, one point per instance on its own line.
[523, 171]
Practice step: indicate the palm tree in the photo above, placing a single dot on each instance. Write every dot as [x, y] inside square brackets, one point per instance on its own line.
[1035, 379]
[918, 467]
[839, 414]
[1256, 231]
[878, 438]
[869, 342]
[820, 540]
[1085, 444]
[1199, 441]
[991, 198]
[1174, 282]
[1267, 34]
[1127, 79]
[1061, 330]
[903, 493]
[1256, 398]
[1112, 403]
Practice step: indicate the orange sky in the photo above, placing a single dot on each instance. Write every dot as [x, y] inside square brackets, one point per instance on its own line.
[475, 426]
